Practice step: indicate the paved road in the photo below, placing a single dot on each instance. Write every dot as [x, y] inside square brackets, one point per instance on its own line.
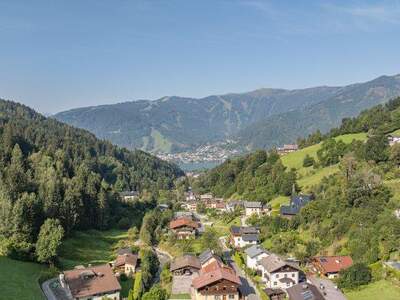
[248, 289]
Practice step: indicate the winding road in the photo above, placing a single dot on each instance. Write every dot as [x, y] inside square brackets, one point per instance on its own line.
[248, 289]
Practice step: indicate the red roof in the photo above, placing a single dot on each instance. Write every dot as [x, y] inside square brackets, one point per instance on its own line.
[215, 272]
[333, 264]
[181, 222]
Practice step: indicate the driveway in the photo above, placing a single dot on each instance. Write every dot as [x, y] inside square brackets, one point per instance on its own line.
[248, 289]
[181, 284]
[53, 291]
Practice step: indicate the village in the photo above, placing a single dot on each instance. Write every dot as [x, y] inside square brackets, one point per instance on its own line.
[238, 266]
[241, 268]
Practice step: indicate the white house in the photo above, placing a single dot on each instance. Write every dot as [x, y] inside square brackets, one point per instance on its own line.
[243, 236]
[252, 208]
[278, 273]
[253, 255]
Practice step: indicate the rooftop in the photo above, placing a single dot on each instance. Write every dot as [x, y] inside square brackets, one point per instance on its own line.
[185, 261]
[127, 258]
[91, 281]
[304, 291]
[213, 273]
[255, 251]
[273, 263]
[181, 222]
[253, 204]
[333, 264]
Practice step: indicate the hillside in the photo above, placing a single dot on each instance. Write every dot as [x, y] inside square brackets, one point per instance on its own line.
[354, 176]
[258, 119]
[347, 102]
[51, 170]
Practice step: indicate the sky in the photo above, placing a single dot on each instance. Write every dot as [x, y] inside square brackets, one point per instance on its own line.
[58, 55]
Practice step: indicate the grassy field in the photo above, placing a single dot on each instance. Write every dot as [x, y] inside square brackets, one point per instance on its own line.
[310, 176]
[222, 227]
[19, 280]
[89, 247]
[378, 290]
[295, 159]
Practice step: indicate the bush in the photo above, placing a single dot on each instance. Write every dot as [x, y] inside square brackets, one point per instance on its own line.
[356, 275]
[123, 277]
[124, 223]
[308, 161]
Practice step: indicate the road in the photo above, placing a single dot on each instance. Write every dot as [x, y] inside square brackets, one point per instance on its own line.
[247, 288]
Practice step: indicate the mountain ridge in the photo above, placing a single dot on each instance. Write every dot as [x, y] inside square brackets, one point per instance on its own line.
[174, 123]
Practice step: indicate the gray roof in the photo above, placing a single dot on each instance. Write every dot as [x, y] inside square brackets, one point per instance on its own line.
[205, 256]
[240, 230]
[129, 194]
[250, 237]
[253, 204]
[304, 291]
[273, 262]
[296, 204]
[254, 251]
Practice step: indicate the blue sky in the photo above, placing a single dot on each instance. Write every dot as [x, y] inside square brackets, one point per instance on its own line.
[56, 55]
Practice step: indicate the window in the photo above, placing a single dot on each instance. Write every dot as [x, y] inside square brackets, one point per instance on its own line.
[293, 275]
[231, 296]
[217, 297]
[277, 276]
[275, 283]
[285, 275]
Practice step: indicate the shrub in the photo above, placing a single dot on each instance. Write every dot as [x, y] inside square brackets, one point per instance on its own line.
[356, 275]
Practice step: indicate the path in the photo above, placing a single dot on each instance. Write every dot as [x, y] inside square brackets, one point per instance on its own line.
[163, 257]
[248, 289]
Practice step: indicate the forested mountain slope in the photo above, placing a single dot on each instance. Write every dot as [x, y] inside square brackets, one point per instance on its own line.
[258, 119]
[354, 208]
[347, 102]
[177, 123]
[50, 170]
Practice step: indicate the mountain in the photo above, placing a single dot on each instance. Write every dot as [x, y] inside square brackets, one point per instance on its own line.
[175, 123]
[346, 102]
[50, 170]
[262, 118]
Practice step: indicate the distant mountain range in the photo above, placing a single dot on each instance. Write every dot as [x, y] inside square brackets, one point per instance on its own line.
[259, 119]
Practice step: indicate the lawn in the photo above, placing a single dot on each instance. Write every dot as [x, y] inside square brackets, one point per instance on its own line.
[89, 247]
[378, 290]
[295, 159]
[222, 227]
[314, 177]
[126, 286]
[19, 280]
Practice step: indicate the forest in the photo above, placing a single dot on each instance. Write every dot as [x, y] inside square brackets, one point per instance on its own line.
[56, 178]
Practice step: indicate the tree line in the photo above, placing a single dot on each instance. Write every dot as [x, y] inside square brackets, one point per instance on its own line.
[64, 178]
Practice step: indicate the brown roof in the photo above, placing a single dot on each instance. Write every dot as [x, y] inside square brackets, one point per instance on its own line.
[215, 272]
[185, 261]
[180, 222]
[91, 281]
[130, 259]
[303, 291]
[273, 262]
[333, 264]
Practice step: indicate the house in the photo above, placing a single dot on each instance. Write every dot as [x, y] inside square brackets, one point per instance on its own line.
[206, 197]
[278, 273]
[189, 195]
[185, 265]
[275, 294]
[288, 148]
[253, 207]
[125, 263]
[330, 266]
[184, 228]
[186, 214]
[129, 196]
[94, 283]
[296, 204]
[216, 281]
[242, 236]
[304, 291]
[393, 140]
[253, 255]
[235, 204]
[208, 257]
